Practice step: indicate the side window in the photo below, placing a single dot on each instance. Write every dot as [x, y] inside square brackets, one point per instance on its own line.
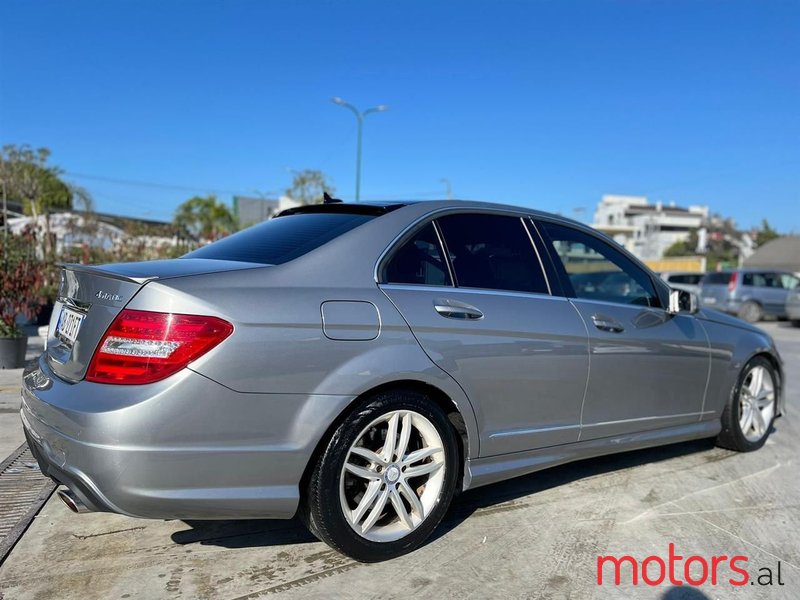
[717, 279]
[598, 271]
[789, 282]
[755, 280]
[492, 252]
[419, 261]
[773, 280]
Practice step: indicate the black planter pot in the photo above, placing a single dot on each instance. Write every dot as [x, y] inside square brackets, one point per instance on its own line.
[12, 352]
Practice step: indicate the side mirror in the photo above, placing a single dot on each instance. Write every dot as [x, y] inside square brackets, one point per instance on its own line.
[681, 301]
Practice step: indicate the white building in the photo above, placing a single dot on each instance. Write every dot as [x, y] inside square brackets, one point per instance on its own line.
[75, 230]
[646, 229]
[249, 211]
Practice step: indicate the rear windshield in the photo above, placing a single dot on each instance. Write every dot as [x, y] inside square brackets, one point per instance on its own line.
[717, 278]
[281, 239]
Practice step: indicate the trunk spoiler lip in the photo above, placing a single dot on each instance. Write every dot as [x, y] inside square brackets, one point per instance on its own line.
[98, 270]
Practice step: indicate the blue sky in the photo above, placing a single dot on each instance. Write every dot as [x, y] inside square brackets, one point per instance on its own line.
[545, 104]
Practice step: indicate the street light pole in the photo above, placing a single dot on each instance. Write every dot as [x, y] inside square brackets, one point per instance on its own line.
[446, 181]
[360, 115]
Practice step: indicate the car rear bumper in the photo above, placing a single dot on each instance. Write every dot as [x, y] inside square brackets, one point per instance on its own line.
[182, 448]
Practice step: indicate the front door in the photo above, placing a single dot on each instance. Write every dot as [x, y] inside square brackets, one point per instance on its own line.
[648, 368]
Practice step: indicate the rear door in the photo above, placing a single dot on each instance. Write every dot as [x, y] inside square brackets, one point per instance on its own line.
[483, 312]
[648, 368]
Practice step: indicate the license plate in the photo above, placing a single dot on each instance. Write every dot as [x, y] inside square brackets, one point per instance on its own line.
[69, 324]
[709, 300]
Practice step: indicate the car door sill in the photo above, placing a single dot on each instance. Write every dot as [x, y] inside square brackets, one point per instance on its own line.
[483, 471]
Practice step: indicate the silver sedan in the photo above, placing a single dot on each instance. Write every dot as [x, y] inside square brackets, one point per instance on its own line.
[362, 363]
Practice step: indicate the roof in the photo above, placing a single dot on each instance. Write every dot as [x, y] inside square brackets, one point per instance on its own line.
[421, 208]
[782, 253]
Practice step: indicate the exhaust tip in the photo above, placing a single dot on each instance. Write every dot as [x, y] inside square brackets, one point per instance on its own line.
[72, 501]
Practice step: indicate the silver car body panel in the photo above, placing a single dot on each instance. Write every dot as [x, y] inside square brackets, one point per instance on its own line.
[231, 435]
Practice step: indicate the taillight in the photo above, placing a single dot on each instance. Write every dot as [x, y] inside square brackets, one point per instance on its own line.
[143, 347]
[732, 281]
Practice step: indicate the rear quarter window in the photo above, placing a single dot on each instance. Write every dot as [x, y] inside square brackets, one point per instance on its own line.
[281, 239]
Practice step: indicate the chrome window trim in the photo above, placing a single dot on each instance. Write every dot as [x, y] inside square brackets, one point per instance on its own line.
[640, 307]
[468, 290]
[654, 279]
[435, 214]
[432, 215]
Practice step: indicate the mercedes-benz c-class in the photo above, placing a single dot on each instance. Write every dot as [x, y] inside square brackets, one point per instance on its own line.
[359, 364]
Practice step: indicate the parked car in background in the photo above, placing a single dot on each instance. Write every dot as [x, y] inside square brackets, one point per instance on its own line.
[689, 282]
[750, 294]
[359, 364]
[793, 307]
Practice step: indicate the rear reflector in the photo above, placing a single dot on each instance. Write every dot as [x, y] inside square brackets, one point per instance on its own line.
[143, 347]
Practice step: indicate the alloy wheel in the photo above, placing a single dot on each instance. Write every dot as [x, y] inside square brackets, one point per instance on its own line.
[393, 476]
[756, 403]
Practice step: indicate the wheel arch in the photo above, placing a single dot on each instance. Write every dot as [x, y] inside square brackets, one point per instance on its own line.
[437, 396]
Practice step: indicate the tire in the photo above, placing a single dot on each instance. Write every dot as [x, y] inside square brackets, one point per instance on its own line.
[743, 434]
[751, 312]
[795, 322]
[346, 486]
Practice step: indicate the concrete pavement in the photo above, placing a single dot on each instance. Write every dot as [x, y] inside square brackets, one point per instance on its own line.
[537, 536]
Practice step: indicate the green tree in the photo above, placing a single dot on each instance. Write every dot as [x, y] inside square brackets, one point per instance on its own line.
[687, 247]
[205, 217]
[308, 186]
[26, 176]
[766, 233]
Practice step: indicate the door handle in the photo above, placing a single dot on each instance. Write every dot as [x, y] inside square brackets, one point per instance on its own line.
[453, 309]
[604, 323]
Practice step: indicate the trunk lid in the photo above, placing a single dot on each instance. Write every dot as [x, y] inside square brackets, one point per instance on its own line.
[90, 297]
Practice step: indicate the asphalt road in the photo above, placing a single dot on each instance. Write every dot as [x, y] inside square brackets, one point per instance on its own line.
[534, 537]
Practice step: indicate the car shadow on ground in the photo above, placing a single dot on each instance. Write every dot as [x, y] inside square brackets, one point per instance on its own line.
[500, 494]
[259, 533]
[250, 533]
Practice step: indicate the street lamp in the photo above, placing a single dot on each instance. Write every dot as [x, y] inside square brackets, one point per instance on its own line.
[360, 115]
